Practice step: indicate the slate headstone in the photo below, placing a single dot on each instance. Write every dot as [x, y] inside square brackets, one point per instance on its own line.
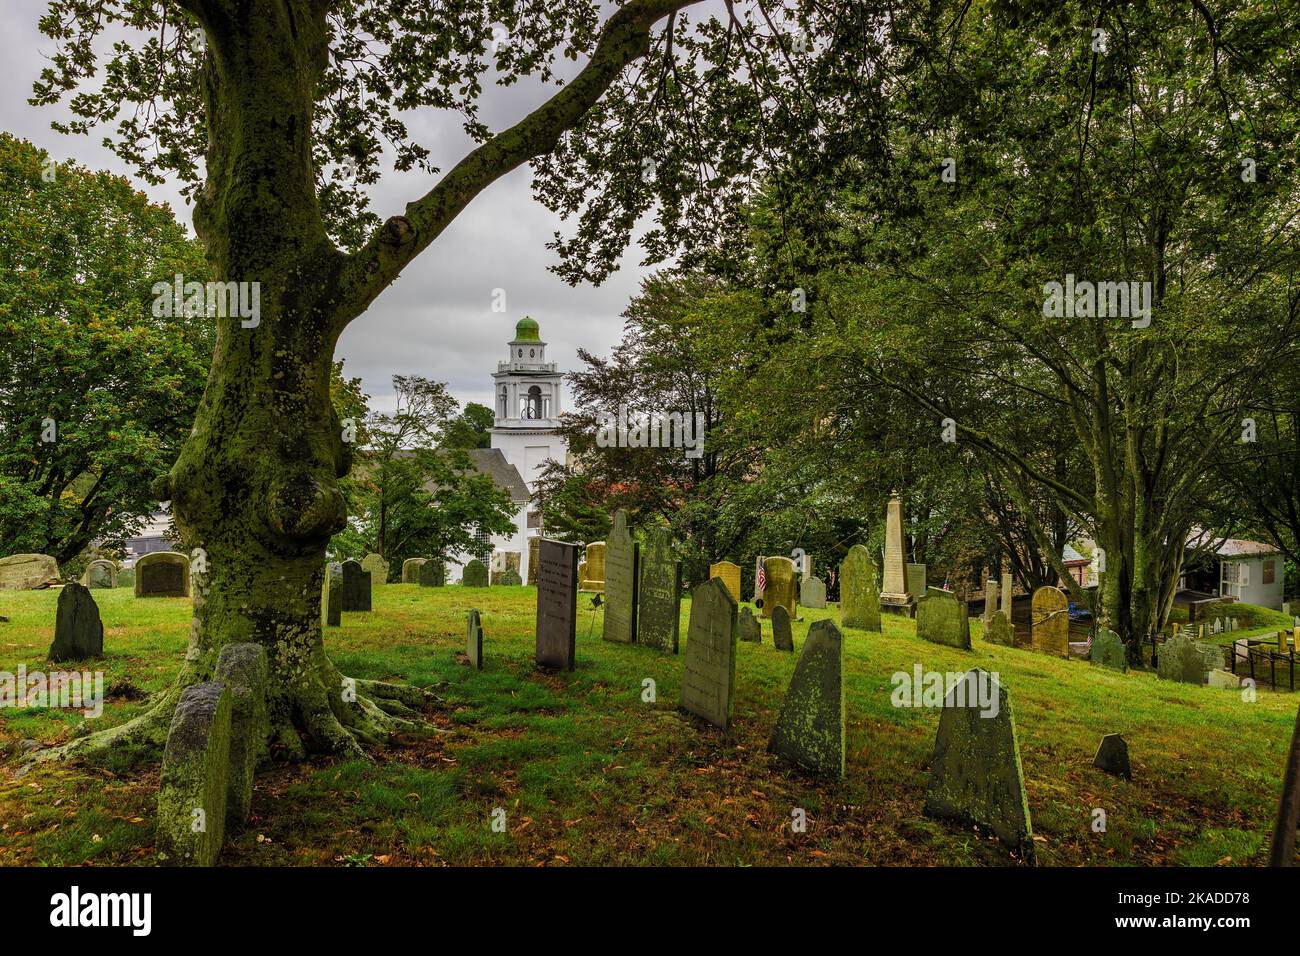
[812, 592]
[730, 574]
[162, 574]
[781, 587]
[942, 619]
[859, 590]
[1112, 756]
[557, 604]
[709, 671]
[356, 587]
[474, 574]
[27, 572]
[660, 592]
[747, 626]
[1050, 622]
[622, 557]
[810, 730]
[1000, 630]
[78, 631]
[1108, 650]
[782, 632]
[194, 782]
[332, 596]
[242, 669]
[474, 640]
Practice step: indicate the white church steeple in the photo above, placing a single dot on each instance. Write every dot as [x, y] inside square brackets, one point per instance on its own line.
[527, 393]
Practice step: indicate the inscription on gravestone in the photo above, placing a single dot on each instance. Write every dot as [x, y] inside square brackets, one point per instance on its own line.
[859, 590]
[162, 574]
[557, 604]
[812, 593]
[730, 574]
[622, 567]
[660, 594]
[709, 672]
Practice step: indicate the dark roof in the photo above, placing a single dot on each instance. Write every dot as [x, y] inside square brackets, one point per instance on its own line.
[491, 461]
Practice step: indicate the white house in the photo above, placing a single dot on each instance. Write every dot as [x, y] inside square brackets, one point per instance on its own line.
[491, 462]
[1250, 571]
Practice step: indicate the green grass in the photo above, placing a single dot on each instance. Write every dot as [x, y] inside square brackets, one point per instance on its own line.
[588, 773]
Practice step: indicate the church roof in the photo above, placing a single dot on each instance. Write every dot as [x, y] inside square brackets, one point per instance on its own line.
[527, 330]
[491, 462]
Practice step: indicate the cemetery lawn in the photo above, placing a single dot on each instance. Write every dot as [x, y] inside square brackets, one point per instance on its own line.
[589, 774]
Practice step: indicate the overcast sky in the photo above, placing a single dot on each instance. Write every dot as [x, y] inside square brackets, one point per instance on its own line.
[436, 320]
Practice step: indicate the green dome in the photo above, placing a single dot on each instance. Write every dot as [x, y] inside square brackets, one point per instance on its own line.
[528, 331]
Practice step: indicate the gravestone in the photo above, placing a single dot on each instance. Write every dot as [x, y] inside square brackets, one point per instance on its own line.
[1222, 678]
[356, 587]
[534, 543]
[100, 574]
[162, 574]
[411, 570]
[1187, 661]
[1000, 630]
[432, 573]
[1007, 599]
[859, 590]
[27, 572]
[810, 730]
[582, 574]
[976, 776]
[510, 578]
[747, 626]
[781, 587]
[1108, 650]
[503, 562]
[78, 631]
[474, 640]
[474, 574]
[942, 619]
[660, 592]
[378, 569]
[622, 557]
[1049, 630]
[242, 669]
[894, 595]
[812, 593]
[331, 598]
[1112, 756]
[594, 561]
[557, 604]
[730, 575]
[782, 633]
[709, 671]
[194, 782]
[916, 578]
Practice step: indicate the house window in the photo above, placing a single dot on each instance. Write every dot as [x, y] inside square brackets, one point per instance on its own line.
[1270, 569]
[482, 546]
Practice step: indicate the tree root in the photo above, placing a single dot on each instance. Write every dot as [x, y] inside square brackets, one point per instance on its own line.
[141, 739]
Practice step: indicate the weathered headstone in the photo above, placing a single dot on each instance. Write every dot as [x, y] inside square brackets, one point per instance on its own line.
[510, 578]
[1108, 650]
[859, 590]
[242, 669]
[432, 573]
[331, 598]
[557, 604]
[356, 587]
[1222, 678]
[810, 730]
[812, 592]
[976, 776]
[748, 627]
[709, 671]
[162, 574]
[474, 574]
[781, 588]
[78, 631]
[411, 570]
[474, 640]
[942, 619]
[622, 557]
[660, 592]
[916, 581]
[194, 783]
[1006, 594]
[894, 595]
[100, 573]
[730, 574]
[782, 632]
[26, 572]
[377, 567]
[534, 544]
[1112, 756]
[1050, 622]
[1187, 661]
[1000, 630]
[594, 566]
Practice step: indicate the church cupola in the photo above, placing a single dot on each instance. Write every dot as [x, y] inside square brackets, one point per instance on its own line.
[527, 398]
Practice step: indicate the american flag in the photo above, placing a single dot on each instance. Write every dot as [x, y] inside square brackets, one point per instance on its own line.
[760, 578]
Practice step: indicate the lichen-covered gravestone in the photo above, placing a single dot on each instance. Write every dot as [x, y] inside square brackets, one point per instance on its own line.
[1049, 629]
[810, 730]
[162, 574]
[1000, 630]
[747, 626]
[709, 672]
[782, 632]
[781, 587]
[942, 619]
[474, 640]
[1112, 756]
[331, 610]
[660, 593]
[534, 546]
[730, 575]
[195, 778]
[356, 587]
[859, 590]
[976, 776]
[242, 669]
[26, 572]
[411, 570]
[474, 574]
[100, 573]
[1108, 650]
[377, 567]
[432, 573]
[622, 557]
[557, 604]
[1188, 661]
[78, 631]
[510, 578]
[812, 592]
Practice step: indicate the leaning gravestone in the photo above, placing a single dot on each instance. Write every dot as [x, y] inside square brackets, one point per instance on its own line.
[1049, 630]
[812, 592]
[356, 587]
[1000, 630]
[593, 563]
[730, 574]
[557, 604]
[331, 598]
[162, 574]
[242, 669]
[195, 778]
[534, 543]
[474, 574]
[782, 633]
[747, 626]
[859, 590]
[432, 573]
[1112, 756]
[377, 567]
[1222, 678]
[660, 592]
[1188, 661]
[1108, 650]
[411, 570]
[474, 640]
[26, 572]
[100, 574]
[976, 776]
[781, 587]
[78, 631]
[709, 673]
[622, 558]
[810, 730]
[942, 619]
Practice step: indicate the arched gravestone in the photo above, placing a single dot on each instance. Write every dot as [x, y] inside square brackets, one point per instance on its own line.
[747, 626]
[859, 590]
[100, 573]
[474, 574]
[1183, 659]
[557, 604]
[356, 587]
[26, 572]
[730, 575]
[593, 563]
[411, 570]
[659, 592]
[78, 631]
[781, 587]
[622, 557]
[1000, 630]
[1108, 650]
[782, 633]
[377, 567]
[432, 573]
[1050, 622]
[942, 619]
[162, 574]
[709, 672]
[810, 730]
[812, 592]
